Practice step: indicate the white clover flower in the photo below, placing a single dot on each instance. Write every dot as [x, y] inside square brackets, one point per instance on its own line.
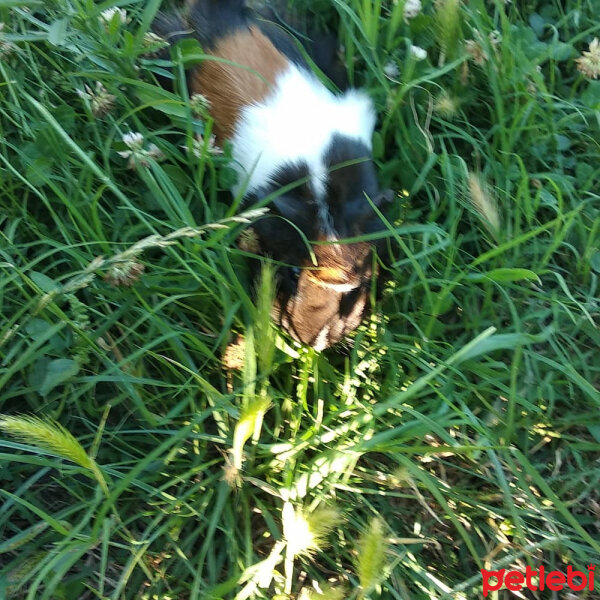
[5, 47]
[152, 39]
[106, 16]
[418, 53]
[155, 152]
[101, 101]
[200, 104]
[124, 273]
[412, 8]
[137, 154]
[589, 62]
[152, 43]
[200, 147]
[391, 70]
[133, 140]
[495, 38]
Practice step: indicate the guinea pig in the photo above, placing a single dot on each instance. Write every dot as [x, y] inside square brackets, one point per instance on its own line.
[309, 149]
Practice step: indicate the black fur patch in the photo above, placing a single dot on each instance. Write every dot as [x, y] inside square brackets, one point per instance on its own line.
[351, 179]
[171, 27]
[351, 176]
[321, 47]
[212, 20]
[296, 205]
[283, 41]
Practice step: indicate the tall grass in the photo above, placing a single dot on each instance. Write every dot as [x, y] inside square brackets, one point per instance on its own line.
[159, 455]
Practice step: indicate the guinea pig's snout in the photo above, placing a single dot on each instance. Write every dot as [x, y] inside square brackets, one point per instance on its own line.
[323, 319]
[327, 303]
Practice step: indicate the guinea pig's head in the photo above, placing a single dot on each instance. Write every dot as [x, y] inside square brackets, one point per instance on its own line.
[319, 305]
[323, 283]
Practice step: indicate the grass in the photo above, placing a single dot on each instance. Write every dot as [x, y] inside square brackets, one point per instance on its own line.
[459, 429]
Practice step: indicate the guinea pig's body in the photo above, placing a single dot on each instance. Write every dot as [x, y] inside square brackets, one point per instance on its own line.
[310, 149]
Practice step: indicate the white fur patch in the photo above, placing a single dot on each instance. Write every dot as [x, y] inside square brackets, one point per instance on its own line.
[297, 122]
[322, 340]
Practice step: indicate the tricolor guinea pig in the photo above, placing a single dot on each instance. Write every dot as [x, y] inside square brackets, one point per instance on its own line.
[307, 148]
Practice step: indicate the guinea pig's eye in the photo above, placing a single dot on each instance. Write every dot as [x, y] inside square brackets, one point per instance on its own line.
[295, 274]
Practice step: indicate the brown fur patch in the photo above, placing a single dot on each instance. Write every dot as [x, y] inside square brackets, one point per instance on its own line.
[246, 75]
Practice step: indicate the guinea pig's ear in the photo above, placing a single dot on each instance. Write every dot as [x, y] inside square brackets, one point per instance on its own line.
[387, 196]
[381, 200]
[288, 207]
[298, 209]
[281, 233]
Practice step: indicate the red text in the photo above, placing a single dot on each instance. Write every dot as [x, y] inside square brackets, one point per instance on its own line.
[538, 579]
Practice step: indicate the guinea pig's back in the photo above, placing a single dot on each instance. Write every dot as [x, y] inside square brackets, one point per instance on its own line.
[265, 99]
[244, 71]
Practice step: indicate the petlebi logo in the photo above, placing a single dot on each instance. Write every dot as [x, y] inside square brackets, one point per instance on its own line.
[538, 580]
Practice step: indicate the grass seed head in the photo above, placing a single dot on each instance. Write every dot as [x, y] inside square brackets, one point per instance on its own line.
[477, 52]
[447, 22]
[446, 106]
[232, 476]
[47, 435]
[248, 241]
[372, 548]
[249, 423]
[306, 532]
[484, 203]
[265, 339]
